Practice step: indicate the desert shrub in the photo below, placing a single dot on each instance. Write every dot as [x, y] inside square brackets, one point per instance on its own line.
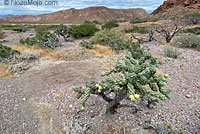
[84, 30]
[7, 53]
[112, 38]
[42, 28]
[17, 28]
[171, 52]
[195, 30]
[22, 62]
[189, 41]
[110, 24]
[42, 39]
[136, 29]
[2, 35]
[145, 19]
[137, 20]
[136, 79]
[86, 44]
[192, 17]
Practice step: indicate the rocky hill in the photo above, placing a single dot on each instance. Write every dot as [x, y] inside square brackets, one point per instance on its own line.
[72, 15]
[170, 4]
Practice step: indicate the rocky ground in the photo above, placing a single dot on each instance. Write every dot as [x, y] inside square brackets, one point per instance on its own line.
[42, 101]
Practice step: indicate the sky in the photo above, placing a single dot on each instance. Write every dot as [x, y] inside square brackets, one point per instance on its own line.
[22, 7]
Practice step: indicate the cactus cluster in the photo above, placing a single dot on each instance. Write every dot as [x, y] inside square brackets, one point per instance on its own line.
[64, 31]
[42, 39]
[7, 53]
[137, 79]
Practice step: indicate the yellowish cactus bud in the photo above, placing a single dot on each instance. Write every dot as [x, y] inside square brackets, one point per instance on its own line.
[83, 107]
[97, 85]
[164, 79]
[131, 96]
[166, 75]
[164, 83]
[133, 100]
[136, 96]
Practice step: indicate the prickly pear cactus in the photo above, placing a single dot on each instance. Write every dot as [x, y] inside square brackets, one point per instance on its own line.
[138, 79]
[64, 31]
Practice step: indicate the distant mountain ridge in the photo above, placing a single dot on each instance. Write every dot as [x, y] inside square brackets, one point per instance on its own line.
[1, 16]
[72, 15]
[170, 4]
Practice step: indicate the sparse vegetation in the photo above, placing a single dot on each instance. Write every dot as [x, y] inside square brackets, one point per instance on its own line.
[2, 35]
[87, 44]
[145, 19]
[168, 30]
[84, 30]
[195, 30]
[17, 28]
[188, 41]
[136, 76]
[110, 24]
[192, 17]
[112, 38]
[42, 39]
[42, 28]
[171, 52]
[137, 29]
[64, 31]
[7, 53]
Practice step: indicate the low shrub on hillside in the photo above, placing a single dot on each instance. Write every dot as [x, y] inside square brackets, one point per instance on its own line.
[145, 19]
[192, 17]
[195, 30]
[42, 39]
[110, 24]
[84, 30]
[137, 20]
[189, 41]
[171, 52]
[136, 29]
[7, 53]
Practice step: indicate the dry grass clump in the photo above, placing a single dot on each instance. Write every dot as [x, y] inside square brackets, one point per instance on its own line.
[100, 51]
[3, 70]
[55, 55]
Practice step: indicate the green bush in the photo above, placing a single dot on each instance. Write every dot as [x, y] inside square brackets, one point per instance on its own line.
[192, 17]
[136, 29]
[2, 35]
[189, 41]
[137, 20]
[17, 28]
[171, 52]
[113, 38]
[42, 28]
[42, 39]
[110, 24]
[195, 30]
[7, 53]
[137, 79]
[146, 19]
[84, 30]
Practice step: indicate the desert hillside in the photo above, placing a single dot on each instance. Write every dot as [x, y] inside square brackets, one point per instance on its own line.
[72, 15]
[173, 4]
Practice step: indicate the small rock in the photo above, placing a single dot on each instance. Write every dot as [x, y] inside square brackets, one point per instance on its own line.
[189, 96]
